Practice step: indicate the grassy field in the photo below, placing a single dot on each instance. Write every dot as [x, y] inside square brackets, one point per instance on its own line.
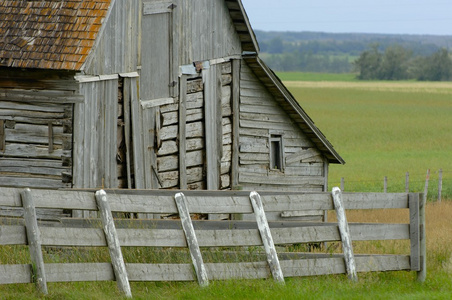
[298, 76]
[383, 129]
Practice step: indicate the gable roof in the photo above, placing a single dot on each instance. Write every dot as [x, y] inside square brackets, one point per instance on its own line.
[49, 34]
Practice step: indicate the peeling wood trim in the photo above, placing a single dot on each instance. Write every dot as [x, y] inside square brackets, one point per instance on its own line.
[129, 75]
[95, 78]
[158, 8]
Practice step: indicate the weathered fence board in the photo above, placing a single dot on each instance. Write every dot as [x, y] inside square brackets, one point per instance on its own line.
[237, 233]
[15, 274]
[164, 233]
[203, 201]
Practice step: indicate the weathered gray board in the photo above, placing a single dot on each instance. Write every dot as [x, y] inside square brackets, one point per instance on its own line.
[260, 116]
[168, 233]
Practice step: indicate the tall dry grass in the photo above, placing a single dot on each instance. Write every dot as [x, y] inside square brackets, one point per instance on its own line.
[438, 233]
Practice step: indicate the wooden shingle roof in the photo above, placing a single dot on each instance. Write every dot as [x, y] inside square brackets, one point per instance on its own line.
[49, 34]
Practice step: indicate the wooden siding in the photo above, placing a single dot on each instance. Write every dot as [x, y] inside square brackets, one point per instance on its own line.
[203, 30]
[194, 160]
[115, 49]
[36, 110]
[95, 140]
[261, 115]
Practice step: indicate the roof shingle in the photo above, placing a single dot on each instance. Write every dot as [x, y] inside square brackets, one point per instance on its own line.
[49, 34]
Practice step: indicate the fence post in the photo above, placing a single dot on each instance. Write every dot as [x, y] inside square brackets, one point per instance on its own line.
[427, 177]
[192, 241]
[440, 184]
[342, 183]
[267, 239]
[34, 240]
[114, 247]
[407, 182]
[415, 239]
[422, 274]
[344, 231]
[385, 184]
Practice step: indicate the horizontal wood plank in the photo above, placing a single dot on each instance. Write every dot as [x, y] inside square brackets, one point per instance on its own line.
[10, 274]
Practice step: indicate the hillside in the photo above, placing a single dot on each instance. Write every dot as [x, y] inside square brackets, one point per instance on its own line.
[334, 52]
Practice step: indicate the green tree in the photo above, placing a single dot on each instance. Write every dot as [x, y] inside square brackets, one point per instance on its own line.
[395, 63]
[368, 64]
[437, 67]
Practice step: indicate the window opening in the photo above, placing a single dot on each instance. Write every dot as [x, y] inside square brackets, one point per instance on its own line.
[276, 152]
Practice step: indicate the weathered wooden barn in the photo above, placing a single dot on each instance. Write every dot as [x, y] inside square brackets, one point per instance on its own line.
[148, 94]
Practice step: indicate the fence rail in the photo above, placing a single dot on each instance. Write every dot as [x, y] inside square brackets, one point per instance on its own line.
[196, 234]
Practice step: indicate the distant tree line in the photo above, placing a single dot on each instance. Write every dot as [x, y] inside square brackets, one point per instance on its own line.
[398, 63]
[339, 53]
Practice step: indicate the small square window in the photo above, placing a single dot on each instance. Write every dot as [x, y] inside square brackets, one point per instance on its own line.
[276, 152]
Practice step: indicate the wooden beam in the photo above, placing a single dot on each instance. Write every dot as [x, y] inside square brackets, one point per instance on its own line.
[126, 87]
[267, 240]
[2, 135]
[414, 232]
[34, 241]
[345, 235]
[192, 241]
[114, 247]
[422, 274]
[182, 133]
[235, 85]
[213, 120]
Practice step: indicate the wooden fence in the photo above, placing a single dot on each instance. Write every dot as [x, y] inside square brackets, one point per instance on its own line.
[185, 232]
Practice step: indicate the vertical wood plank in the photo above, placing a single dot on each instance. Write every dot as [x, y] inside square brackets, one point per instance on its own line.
[413, 201]
[51, 137]
[267, 239]
[2, 135]
[344, 231]
[114, 247]
[192, 241]
[138, 136]
[211, 129]
[126, 88]
[422, 273]
[182, 133]
[235, 86]
[34, 240]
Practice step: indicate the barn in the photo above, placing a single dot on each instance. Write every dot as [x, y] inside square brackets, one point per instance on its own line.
[148, 94]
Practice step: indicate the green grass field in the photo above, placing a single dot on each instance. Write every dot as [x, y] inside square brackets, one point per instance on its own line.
[299, 76]
[383, 129]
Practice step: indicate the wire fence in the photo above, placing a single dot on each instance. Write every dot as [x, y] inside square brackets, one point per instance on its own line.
[437, 184]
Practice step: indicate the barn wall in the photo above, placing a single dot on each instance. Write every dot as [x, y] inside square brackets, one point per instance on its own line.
[36, 109]
[96, 135]
[260, 115]
[169, 137]
[204, 30]
[115, 50]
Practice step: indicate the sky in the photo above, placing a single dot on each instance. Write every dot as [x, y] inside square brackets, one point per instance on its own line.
[351, 16]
